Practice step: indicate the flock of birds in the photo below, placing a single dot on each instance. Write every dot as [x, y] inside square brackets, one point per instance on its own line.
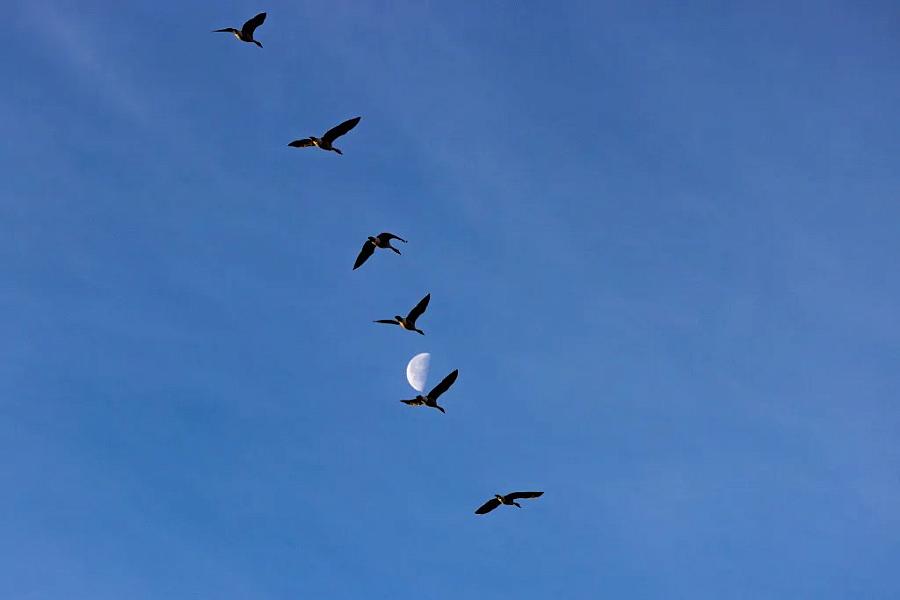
[382, 241]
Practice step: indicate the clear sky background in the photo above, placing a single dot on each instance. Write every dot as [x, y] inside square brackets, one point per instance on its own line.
[661, 241]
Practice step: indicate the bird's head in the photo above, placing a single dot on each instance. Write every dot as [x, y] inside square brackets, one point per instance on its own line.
[398, 318]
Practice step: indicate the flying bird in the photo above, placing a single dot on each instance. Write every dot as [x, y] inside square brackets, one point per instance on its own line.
[245, 34]
[326, 141]
[382, 240]
[509, 500]
[430, 399]
[409, 322]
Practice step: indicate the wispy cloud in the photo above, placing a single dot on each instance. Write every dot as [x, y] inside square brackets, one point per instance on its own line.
[71, 40]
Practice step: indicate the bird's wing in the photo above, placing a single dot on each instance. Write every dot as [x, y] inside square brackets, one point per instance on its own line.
[339, 130]
[388, 321]
[304, 143]
[251, 25]
[226, 30]
[413, 402]
[487, 506]
[364, 254]
[386, 237]
[517, 495]
[418, 309]
[444, 385]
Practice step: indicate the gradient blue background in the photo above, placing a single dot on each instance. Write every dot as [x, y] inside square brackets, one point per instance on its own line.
[661, 241]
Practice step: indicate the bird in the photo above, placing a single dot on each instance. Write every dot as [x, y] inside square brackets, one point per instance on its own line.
[430, 399]
[245, 34]
[326, 141]
[509, 500]
[382, 240]
[409, 323]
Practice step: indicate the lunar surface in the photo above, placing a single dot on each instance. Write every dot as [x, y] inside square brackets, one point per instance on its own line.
[417, 371]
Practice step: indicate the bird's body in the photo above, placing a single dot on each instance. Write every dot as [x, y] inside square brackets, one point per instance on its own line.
[508, 500]
[430, 399]
[409, 321]
[382, 240]
[405, 324]
[245, 33]
[326, 142]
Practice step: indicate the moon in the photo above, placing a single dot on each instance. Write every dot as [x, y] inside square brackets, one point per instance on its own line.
[417, 371]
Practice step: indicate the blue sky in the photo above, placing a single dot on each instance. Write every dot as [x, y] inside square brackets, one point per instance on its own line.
[661, 243]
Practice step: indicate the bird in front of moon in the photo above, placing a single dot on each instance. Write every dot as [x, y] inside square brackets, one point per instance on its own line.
[245, 33]
[508, 499]
[409, 321]
[382, 240]
[430, 399]
[325, 142]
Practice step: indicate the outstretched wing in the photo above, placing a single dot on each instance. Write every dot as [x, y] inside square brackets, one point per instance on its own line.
[413, 402]
[226, 30]
[487, 506]
[517, 495]
[386, 237]
[418, 309]
[387, 321]
[444, 385]
[251, 25]
[339, 130]
[304, 143]
[364, 254]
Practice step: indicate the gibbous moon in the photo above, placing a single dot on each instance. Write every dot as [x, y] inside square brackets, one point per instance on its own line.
[417, 371]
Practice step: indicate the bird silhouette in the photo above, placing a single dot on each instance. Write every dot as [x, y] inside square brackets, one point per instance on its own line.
[508, 499]
[409, 322]
[430, 399]
[327, 139]
[382, 240]
[245, 33]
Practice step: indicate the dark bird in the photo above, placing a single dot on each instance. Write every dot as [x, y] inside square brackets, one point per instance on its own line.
[245, 34]
[430, 399]
[509, 500]
[409, 323]
[326, 141]
[382, 240]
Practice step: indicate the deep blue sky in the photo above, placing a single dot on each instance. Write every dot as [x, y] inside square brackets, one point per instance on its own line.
[661, 241]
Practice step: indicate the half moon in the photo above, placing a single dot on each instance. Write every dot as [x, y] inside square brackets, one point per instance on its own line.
[417, 371]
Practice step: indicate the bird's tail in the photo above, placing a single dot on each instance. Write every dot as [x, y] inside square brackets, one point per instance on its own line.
[394, 249]
[440, 408]
[338, 151]
[420, 332]
[257, 43]
[517, 504]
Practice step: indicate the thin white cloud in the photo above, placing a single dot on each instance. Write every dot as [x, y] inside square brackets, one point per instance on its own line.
[69, 38]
